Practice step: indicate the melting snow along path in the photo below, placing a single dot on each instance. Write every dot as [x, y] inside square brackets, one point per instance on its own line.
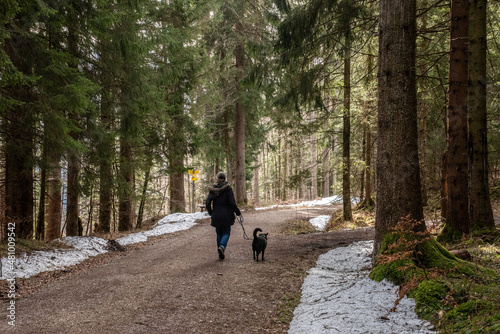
[85, 247]
[338, 297]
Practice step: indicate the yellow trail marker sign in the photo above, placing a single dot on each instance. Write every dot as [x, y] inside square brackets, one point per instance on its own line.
[195, 179]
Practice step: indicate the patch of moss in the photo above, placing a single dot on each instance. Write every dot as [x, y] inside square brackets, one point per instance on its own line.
[465, 310]
[455, 295]
[429, 295]
[449, 234]
[394, 272]
[431, 254]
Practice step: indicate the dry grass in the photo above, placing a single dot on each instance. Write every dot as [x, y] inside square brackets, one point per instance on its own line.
[362, 218]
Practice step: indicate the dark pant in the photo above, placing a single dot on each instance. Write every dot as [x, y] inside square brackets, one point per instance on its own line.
[223, 234]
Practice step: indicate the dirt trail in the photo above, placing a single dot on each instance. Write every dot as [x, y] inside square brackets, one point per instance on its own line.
[177, 284]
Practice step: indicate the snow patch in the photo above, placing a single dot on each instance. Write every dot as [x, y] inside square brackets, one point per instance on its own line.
[320, 222]
[338, 297]
[320, 202]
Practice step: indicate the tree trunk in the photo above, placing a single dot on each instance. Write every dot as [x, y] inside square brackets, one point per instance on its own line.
[73, 207]
[40, 221]
[363, 167]
[19, 134]
[398, 172]
[368, 161]
[54, 196]
[19, 172]
[480, 211]
[346, 132]
[125, 207]
[240, 174]
[177, 198]
[422, 111]
[457, 222]
[144, 192]
[255, 188]
[106, 151]
[314, 168]
[326, 172]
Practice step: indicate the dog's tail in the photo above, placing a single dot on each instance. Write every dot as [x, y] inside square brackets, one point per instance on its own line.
[255, 232]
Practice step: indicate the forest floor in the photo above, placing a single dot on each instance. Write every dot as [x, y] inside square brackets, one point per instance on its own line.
[175, 283]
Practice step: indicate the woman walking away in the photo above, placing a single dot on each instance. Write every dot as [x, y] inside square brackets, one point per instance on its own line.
[221, 206]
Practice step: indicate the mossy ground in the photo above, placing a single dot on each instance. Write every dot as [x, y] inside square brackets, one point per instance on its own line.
[455, 295]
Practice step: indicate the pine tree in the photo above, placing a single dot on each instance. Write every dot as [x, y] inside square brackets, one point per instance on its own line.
[398, 173]
[457, 216]
[480, 211]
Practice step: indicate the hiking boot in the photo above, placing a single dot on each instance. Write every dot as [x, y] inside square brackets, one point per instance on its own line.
[221, 252]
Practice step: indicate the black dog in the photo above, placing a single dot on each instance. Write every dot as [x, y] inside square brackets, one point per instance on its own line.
[259, 244]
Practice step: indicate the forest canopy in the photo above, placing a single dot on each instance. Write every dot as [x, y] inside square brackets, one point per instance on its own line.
[106, 105]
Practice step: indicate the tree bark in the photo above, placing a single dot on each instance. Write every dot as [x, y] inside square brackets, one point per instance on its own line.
[144, 192]
[398, 172]
[105, 149]
[346, 132]
[314, 168]
[255, 188]
[19, 134]
[240, 174]
[126, 190]
[480, 210]
[73, 207]
[457, 222]
[54, 195]
[368, 161]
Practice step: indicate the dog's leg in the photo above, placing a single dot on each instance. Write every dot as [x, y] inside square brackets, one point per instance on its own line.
[263, 254]
[253, 254]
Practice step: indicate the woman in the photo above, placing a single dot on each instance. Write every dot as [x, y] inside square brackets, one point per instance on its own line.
[221, 206]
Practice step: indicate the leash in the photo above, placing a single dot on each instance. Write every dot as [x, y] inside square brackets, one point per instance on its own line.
[240, 220]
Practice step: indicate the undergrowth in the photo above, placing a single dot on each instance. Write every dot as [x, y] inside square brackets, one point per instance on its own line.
[361, 218]
[455, 295]
[24, 246]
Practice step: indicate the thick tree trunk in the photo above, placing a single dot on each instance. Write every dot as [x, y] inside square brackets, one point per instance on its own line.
[398, 172]
[240, 174]
[19, 134]
[19, 172]
[346, 132]
[457, 222]
[480, 211]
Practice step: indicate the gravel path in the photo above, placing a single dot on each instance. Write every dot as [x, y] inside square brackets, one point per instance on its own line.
[176, 283]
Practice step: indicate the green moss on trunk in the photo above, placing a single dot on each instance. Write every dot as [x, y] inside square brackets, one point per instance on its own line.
[440, 282]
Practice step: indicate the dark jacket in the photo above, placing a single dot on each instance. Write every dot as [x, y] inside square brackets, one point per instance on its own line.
[221, 205]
